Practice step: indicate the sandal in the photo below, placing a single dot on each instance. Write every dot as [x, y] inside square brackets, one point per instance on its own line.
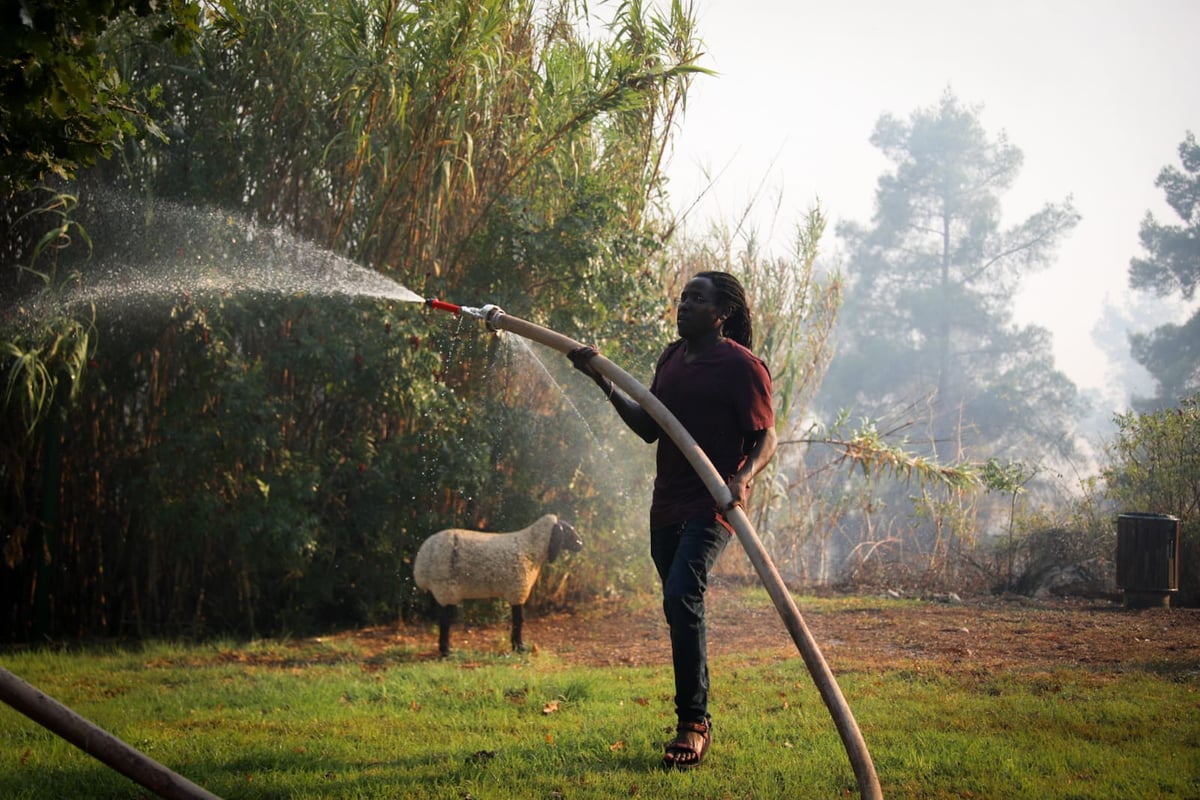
[683, 752]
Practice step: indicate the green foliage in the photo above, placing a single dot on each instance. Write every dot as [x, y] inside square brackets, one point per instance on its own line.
[1154, 468]
[43, 365]
[40, 367]
[1009, 478]
[1155, 461]
[65, 103]
[254, 462]
[38, 356]
[1172, 266]
[420, 126]
[45, 362]
[867, 449]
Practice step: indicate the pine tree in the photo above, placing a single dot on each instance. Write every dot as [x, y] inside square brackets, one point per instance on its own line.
[926, 331]
[1171, 353]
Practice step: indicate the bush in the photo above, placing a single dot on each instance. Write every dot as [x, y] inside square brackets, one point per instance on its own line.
[1155, 468]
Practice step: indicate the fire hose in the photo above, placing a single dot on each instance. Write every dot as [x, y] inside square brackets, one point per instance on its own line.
[860, 759]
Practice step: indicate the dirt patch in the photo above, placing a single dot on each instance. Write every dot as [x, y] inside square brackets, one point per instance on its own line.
[868, 634]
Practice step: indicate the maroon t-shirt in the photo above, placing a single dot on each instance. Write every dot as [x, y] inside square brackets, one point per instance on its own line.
[721, 398]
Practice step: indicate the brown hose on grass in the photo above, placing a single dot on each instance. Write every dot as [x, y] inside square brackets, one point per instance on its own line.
[843, 719]
[97, 742]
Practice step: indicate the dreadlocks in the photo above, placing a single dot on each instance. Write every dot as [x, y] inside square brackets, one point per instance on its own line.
[739, 326]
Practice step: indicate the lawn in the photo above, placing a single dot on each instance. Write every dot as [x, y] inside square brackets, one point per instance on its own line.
[333, 718]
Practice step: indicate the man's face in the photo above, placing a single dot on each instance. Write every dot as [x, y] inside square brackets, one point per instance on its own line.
[698, 312]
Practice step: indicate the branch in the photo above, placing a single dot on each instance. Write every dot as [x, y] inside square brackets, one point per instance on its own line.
[867, 449]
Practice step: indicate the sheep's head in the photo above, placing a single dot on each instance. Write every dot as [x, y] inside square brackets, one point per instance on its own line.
[563, 536]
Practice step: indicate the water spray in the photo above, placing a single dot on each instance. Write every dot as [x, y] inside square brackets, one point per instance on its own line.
[860, 759]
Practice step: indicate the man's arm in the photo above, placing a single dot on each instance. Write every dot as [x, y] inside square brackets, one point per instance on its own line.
[636, 417]
[759, 456]
[630, 412]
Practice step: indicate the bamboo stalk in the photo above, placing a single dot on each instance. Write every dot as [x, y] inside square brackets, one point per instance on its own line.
[831, 693]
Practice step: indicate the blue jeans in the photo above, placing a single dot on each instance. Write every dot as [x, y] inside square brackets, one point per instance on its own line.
[683, 555]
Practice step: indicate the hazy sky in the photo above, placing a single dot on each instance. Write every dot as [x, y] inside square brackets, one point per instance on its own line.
[1097, 94]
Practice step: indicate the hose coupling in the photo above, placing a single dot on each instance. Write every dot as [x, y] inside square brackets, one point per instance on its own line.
[491, 315]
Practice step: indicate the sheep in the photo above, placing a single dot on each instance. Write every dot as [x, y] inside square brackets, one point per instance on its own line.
[456, 565]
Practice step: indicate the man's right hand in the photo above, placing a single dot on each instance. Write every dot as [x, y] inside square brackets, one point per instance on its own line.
[582, 357]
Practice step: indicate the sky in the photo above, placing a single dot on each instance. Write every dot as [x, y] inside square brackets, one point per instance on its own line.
[1097, 94]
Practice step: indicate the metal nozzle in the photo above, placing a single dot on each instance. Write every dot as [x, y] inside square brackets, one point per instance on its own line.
[471, 311]
[484, 313]
[491, 314]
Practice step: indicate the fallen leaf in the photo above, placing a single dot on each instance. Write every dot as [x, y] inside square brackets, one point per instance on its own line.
[618, 745]
[550, 707]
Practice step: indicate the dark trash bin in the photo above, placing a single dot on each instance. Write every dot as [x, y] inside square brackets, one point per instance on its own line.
[1148, 559]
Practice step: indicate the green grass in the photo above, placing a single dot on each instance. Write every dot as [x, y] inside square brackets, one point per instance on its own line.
[317, 720]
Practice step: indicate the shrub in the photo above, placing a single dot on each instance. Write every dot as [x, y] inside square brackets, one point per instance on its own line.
[1154, 468]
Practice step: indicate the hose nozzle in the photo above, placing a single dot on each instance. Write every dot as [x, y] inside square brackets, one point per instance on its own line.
[466, 311]
[442, 305]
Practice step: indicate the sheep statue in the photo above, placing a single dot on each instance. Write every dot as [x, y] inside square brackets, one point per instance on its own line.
[456, 565]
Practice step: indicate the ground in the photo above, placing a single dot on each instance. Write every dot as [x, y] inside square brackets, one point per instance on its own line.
[860, 633]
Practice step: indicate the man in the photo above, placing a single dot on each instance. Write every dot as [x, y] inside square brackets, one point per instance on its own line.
[721, 393]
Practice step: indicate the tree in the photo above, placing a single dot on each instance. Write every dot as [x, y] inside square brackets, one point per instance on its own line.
[254, 463]
[927, 320]
[1171, 353]
[63, 102]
